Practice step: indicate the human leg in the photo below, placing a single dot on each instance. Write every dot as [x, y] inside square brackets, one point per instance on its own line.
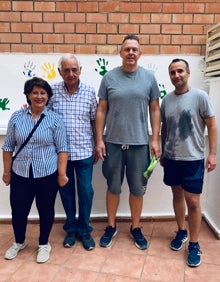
[84, 170]
[113, 171]
[67, 195]
[179, 209]
[21, 198]
[46, 190]
[136, 204]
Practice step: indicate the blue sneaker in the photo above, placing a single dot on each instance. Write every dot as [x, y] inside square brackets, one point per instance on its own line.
[177, 243]
[106, 239]
[69, 240]
[194, 258]
[87, 241]
[140, 242]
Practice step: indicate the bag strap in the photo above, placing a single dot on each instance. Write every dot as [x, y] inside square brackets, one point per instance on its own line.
[29, 136]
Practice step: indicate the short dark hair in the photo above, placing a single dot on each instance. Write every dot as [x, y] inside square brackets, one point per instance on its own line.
[179, 60]
[37, 81]
[131, 37]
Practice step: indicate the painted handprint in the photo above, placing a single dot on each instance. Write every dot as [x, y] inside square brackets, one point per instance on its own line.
[152, 68]
[29, 69]
[102, 66]
[49, 70]
[162, 90]
[3, 103]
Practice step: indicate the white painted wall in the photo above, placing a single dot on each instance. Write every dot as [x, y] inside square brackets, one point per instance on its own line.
[158, 198]
[212, 210]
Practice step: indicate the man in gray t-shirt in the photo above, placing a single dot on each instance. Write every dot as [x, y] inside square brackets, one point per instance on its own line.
[126, 94]
[185, 113]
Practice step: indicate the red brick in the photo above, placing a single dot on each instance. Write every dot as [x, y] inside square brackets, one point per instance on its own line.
[118, 18]
[85, 49]
[150, 49]
[42, 48]
[85, 28]
[87, 7]
[64, 28]
[182, 18]
[75, 17]
[66, 6]
[171, 29]
[53, 17]
[10, 17]
[22, 5]
[42, 27]
[21, 48]
[194, 8]
[168, 49]
[96, 39]
[160, 39]
[74, 38]
[21, 27]
[4, 47]
[131, 28]
[192, 29]
[53, 38]
[107, 28]
[212, 8]
[173, 8]
[4, 27]
[139, 18]
[96, 18]
[130, 7]
[181, 39]
[44, 6]
[109, 7]
[107, 49]
[161, 18]
[70, 48]
[199, 40]
[190, 49]
[10, 38]
[31, 17]
[150, 28]
[203, 19]
[5, 5]
[30, 38]
[151, 7]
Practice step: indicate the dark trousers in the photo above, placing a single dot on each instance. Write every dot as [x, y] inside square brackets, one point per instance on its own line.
[23, 191]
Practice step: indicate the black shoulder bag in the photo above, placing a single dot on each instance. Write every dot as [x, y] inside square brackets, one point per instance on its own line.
[29, 136]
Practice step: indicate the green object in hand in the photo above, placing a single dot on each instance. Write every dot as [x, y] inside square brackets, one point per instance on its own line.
[147, 173]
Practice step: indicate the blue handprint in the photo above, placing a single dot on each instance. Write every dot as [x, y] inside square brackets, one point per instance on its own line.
[29, 69]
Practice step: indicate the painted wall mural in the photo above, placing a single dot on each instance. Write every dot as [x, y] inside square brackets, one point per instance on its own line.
[17, 68]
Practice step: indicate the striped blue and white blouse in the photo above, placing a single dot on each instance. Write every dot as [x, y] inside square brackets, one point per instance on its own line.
[42, 149]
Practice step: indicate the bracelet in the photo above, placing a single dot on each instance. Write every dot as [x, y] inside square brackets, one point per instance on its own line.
[6, 173]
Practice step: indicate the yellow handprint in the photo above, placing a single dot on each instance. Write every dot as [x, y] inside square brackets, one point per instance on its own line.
[49, 68]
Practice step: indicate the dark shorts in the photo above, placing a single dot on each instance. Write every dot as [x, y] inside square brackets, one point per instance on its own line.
[130, 160]
[187, 174]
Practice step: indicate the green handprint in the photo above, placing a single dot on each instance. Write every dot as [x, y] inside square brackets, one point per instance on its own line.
[3, 103]
[102, 64]
[162, 90]
[50, 70]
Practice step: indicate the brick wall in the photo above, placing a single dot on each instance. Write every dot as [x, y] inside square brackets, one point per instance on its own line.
[97, 27]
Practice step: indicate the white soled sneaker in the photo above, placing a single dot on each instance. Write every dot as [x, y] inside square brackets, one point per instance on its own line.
[43, 253]
[13, 251]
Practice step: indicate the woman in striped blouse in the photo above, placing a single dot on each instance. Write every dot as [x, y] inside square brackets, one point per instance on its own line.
[39, 168]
